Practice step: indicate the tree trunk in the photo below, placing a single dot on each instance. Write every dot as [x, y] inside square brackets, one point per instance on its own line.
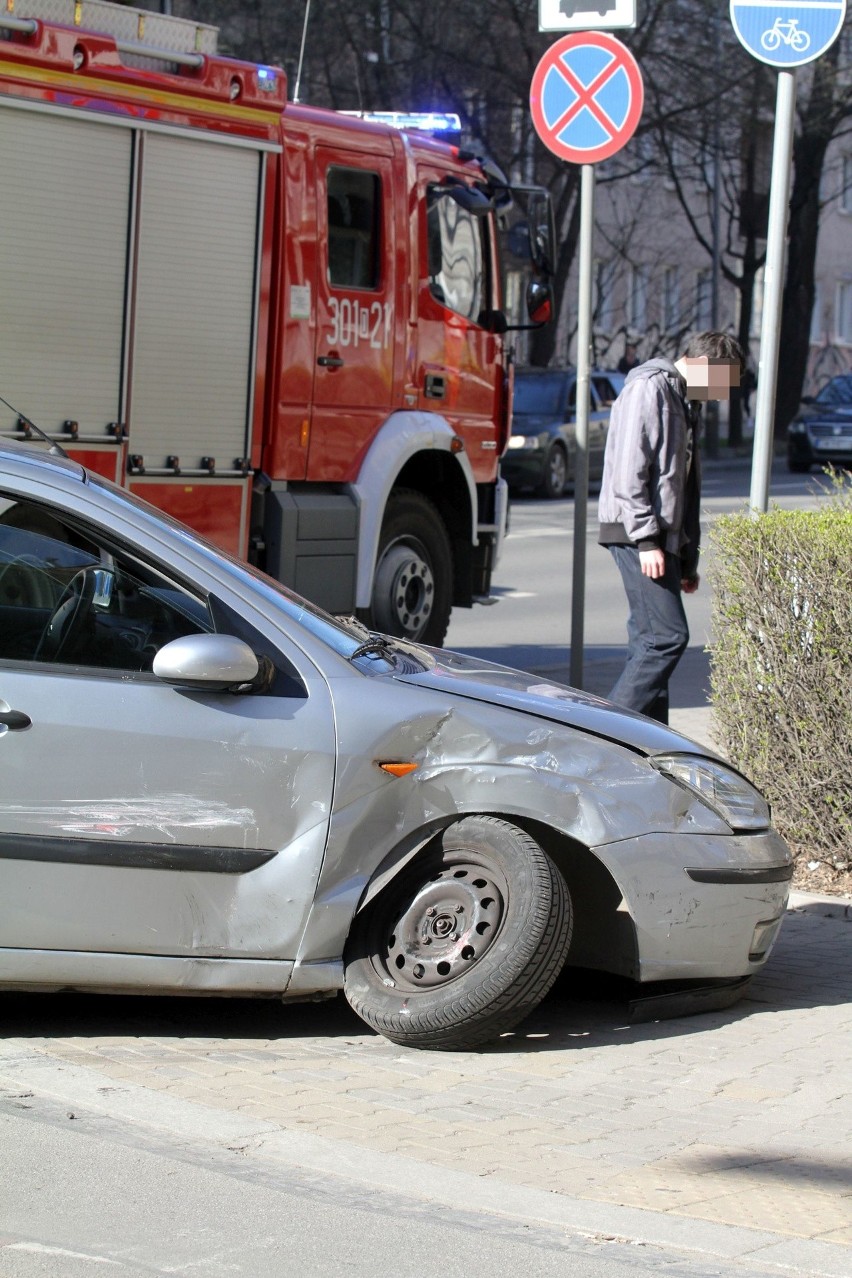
[818, 124]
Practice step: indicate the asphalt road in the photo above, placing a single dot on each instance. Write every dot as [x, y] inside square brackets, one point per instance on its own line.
[83, 1196]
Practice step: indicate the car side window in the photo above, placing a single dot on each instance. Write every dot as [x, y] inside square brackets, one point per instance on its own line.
[457, 256]
[606, 391]
[354, 213]
[67, 598]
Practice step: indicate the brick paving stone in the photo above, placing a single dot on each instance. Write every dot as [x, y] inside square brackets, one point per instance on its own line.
[739, 1117]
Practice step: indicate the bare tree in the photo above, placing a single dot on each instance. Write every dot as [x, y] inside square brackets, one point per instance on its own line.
[478, 60]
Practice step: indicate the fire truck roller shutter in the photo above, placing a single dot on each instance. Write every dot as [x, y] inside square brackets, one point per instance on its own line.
[63, 267]
[193, 358]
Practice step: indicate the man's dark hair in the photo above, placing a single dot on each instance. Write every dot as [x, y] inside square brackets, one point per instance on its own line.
[716, 346]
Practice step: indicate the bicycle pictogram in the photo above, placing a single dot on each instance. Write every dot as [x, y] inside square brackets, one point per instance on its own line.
[785, 33]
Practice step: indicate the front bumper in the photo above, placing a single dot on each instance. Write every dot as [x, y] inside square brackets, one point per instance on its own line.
[805, 450]
[523, 467]
[702, 905]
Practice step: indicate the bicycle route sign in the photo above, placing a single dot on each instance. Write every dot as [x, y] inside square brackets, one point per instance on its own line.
[787, 33]
[586, 97]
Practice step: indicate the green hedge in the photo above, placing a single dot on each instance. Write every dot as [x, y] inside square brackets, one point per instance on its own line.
[781, 666]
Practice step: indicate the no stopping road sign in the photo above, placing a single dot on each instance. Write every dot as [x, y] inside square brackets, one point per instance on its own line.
[586, 97]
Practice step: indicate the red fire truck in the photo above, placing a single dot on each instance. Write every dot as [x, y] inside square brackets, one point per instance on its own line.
[280, 324]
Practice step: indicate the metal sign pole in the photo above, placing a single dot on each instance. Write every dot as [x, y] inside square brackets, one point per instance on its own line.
[770, 329]
[581, 453]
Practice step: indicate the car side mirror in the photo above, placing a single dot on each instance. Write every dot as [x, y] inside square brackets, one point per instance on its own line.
[539, 302]
[207, 663]
[470, 198]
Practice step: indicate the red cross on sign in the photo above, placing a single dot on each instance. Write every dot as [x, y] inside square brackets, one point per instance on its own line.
[586, 97]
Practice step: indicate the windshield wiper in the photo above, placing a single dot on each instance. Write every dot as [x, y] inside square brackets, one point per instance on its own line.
[376, 644]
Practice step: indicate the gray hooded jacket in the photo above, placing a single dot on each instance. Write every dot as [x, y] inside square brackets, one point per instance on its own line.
[650, 491]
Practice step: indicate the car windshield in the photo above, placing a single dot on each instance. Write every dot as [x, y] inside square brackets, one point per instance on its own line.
[542, 394]
[837, 391]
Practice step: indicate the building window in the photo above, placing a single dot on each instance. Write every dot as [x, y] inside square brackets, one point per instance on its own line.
[757, 304]
[843, 313]
[603, 305]
[816, 315]
[671, 299]
[703, 299]
[846, 184]
[637, 297]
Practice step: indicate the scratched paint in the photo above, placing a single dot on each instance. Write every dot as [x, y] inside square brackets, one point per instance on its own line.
[134, 817]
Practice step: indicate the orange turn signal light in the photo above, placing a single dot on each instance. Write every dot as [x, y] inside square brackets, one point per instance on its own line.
[398, 769]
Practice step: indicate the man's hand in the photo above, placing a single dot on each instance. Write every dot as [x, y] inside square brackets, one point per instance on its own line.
[653, 563]
[689, 585]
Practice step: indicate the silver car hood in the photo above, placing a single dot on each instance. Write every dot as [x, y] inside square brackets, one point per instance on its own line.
[464, 676]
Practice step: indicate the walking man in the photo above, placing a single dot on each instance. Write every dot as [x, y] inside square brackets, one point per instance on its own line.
[649, 506]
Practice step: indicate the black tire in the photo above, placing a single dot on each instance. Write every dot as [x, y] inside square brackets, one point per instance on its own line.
[555, 472]
[798, 467]
[413, 581]
[464, 943]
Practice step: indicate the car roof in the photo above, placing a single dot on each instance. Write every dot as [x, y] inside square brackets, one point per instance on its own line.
[24, 457]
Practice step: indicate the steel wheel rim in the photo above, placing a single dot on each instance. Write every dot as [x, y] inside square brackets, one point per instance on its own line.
[405, 585]
[558, 470]
[432, 938]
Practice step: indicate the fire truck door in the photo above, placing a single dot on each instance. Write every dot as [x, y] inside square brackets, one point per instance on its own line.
[459, 360]
[356, 320]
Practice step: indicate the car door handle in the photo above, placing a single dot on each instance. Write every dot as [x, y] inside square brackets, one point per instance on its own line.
[13, 719]
[330, 361]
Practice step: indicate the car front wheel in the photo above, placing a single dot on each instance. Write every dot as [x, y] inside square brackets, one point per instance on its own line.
[464, 942]
[555, 472]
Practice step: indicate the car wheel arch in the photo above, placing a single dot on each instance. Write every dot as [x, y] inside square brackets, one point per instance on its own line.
[604, 932]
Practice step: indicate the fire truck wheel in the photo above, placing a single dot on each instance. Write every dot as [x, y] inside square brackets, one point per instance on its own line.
[413, 583]
[464, 942]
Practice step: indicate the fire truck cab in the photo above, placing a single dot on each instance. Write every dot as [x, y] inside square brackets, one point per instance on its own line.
[280, 324]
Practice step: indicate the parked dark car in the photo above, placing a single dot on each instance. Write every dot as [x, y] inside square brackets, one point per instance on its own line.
[822, 429]
[541, 449]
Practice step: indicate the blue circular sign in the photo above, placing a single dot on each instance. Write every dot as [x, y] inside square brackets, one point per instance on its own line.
[787, 33]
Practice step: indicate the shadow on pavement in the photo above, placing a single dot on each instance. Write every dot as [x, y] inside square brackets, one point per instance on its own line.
[810, 967]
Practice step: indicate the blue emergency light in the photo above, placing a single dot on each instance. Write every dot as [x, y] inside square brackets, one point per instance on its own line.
[434, 122]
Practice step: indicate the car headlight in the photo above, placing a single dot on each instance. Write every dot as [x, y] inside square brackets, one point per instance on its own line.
[523, 441]
[729, 795]
[797, 428]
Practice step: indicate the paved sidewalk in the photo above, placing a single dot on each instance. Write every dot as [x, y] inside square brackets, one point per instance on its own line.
[728, 1133]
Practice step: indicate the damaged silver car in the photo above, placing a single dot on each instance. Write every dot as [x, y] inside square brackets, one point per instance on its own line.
[210, 786]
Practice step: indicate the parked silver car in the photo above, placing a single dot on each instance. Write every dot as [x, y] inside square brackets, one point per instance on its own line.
[209, 785]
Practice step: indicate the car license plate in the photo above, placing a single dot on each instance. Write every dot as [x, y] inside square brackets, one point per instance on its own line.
[837, 444]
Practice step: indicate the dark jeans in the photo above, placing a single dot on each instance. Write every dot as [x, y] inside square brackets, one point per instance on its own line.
[657, 634]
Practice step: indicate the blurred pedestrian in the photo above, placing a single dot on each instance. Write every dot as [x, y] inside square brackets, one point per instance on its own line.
[649, 506]
[629, 359]
[747, 386]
